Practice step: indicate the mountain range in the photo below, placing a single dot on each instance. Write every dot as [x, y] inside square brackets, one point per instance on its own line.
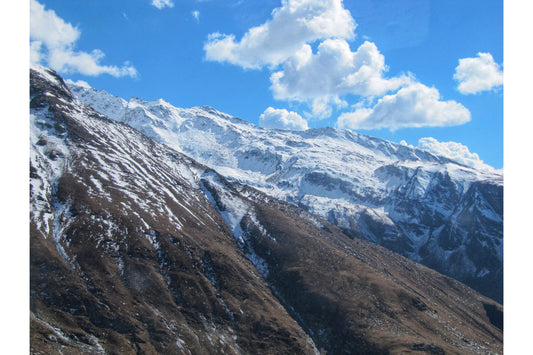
[159, 230]
[428, 208]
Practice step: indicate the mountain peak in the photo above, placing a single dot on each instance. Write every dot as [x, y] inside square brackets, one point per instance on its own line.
[44, 77]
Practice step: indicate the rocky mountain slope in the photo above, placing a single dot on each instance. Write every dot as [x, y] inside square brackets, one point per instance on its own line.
[428, 208]
[138, 249]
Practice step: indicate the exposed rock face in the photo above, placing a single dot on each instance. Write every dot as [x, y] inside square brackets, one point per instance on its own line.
[428, 208]
[137, 248]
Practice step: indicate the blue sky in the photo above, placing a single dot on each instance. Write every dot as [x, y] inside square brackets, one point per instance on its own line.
[387, 68]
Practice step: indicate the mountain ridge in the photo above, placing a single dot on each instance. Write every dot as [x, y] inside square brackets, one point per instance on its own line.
[401, 197]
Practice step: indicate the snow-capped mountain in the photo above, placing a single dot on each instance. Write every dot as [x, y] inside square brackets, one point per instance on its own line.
[137, 248]
[429, 208]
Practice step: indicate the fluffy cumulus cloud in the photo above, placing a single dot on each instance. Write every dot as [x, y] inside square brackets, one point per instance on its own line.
[281, 118]
[334, 70]
[478, 74]
[455, 151]
[36, 55]
[321, 107]
[319, 79]
[52, 42]
[415, 105]
[291, 26]
[160, 4]
[305, 45]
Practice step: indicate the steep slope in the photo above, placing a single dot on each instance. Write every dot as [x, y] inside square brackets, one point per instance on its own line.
[127, 253]
[352, 296]
[136, 248]
[428, 208]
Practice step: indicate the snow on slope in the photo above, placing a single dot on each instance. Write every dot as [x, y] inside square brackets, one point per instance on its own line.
[125, 167]
[286, 164]
[140, 242]
[121, 174]
[404, 198]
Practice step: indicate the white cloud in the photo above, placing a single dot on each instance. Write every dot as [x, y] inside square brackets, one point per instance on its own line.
[334, 70]
[321, 78]
[281, 118]
[52, 42]
[291, 26]
[196, 15]
[322, 106]
[36, 52]
[415, 105]
[49, 29]
[455, 151]
[477, 74]
[160, 4]
[69, 61]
